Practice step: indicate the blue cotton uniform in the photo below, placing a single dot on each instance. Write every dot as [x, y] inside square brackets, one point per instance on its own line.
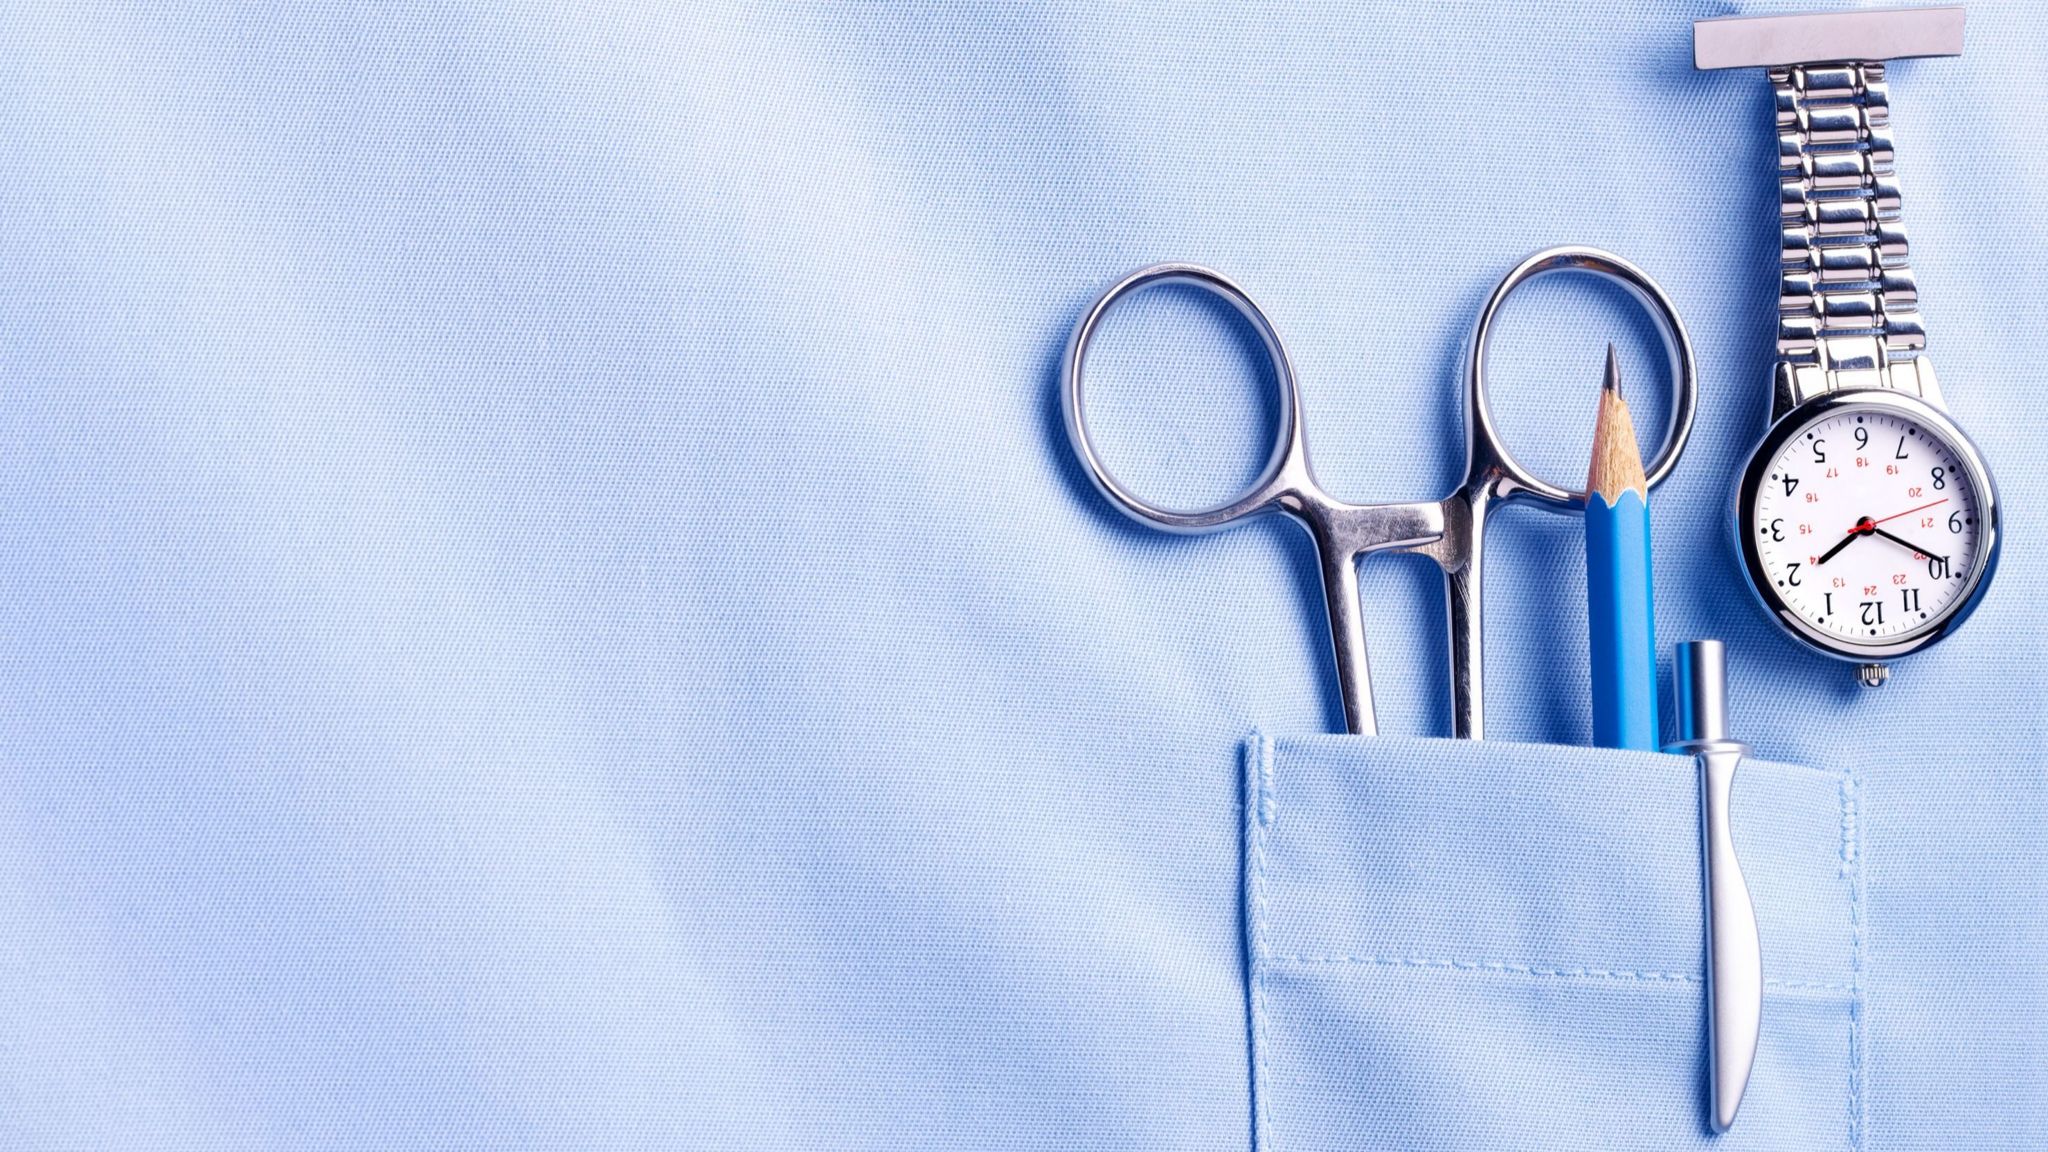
[544, 601]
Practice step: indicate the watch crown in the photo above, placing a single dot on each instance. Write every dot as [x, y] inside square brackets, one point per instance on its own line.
[1873, 675]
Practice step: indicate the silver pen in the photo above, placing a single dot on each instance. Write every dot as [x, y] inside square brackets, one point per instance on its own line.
[1735, 974]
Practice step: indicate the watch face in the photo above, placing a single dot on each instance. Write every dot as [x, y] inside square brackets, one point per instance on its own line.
[1865, 523]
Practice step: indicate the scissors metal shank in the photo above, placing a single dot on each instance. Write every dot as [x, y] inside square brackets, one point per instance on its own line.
[1343, 533]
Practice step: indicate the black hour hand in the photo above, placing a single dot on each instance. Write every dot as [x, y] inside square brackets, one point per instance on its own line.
[1828, 555]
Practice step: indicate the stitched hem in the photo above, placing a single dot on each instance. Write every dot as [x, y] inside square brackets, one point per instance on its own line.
[1491, 966]
[1258, 813]
[1859, 1041]
[1505, 968]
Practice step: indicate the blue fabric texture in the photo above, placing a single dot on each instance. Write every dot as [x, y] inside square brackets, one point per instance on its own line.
[544, 600]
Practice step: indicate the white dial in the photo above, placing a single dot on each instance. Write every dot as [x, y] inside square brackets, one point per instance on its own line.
[1866, 525]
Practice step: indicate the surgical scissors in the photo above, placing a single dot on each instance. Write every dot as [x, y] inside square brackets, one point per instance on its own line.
[1451, 531]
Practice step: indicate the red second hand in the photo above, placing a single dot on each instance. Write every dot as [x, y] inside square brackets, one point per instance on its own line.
[1907, 512]
[1868, 522]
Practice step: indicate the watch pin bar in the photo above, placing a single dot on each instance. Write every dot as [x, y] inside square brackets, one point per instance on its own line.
[1826, 37]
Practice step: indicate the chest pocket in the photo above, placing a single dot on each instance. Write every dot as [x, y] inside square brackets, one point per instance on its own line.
[1480, 945]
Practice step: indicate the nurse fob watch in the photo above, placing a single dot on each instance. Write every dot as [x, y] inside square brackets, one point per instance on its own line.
[1866, 519]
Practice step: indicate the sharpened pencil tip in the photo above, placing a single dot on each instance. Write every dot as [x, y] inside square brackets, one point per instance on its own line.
[1617, 465]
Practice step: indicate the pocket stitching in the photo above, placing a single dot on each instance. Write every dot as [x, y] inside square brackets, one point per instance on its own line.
[1852, 870]
[1258, 818]
[1491, 966]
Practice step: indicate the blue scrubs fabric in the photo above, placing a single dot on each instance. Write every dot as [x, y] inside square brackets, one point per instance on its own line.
[545, 601]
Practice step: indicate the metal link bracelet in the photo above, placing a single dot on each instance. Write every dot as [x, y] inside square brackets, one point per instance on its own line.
[1848, 308]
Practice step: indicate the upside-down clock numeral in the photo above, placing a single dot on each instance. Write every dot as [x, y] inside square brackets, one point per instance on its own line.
[1909, 599]
[1955, 521]
[1901, 453]
[1937, 567]
[1819, 457]
[1862, 436]
[1792, 573]
[1938, 479]
[1828, 601]
[1791, 482]
[1777, 530]
[1872, 608]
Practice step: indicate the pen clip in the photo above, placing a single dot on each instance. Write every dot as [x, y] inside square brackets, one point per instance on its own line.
[1735, 976]
[1735, 965]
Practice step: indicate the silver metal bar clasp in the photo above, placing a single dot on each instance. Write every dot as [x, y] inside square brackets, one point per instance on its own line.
[1826, 37]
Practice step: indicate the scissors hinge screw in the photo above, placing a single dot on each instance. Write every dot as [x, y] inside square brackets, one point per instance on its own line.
[1873, 675]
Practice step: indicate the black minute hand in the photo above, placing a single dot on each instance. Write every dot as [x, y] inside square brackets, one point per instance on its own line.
[1907, 544]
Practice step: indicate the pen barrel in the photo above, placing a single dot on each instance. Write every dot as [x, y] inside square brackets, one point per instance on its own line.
[1699, 690]
[1620, 622]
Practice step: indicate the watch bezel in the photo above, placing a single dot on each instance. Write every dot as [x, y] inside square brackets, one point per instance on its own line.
[1788, 426]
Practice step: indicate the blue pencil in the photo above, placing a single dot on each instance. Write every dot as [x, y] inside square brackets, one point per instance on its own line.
[1619, 617]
